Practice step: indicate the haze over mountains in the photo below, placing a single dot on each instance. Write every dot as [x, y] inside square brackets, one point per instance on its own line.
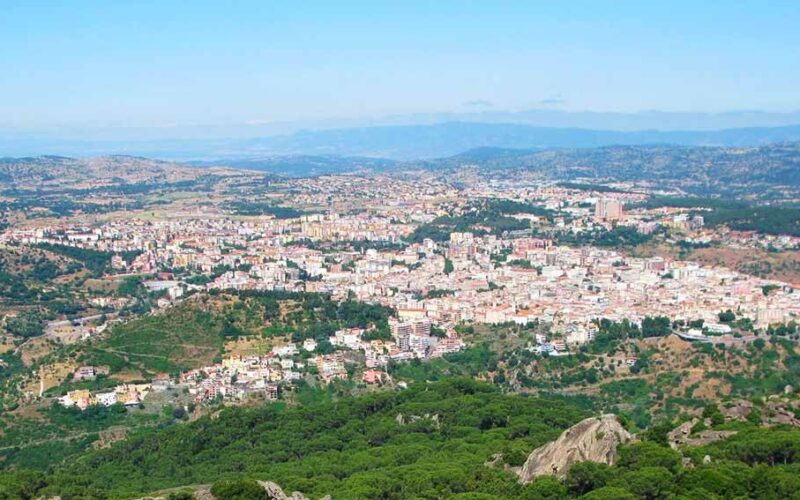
[573, 144]
[412, 137]
[447, 139]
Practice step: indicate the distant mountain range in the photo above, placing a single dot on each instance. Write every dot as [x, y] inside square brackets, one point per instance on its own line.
[447, 139]
[769, 171]
[397, 142]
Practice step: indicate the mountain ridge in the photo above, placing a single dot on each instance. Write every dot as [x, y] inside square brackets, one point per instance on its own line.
[397, 142]
[700, 170]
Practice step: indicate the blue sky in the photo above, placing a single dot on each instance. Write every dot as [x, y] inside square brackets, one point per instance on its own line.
[161, 63]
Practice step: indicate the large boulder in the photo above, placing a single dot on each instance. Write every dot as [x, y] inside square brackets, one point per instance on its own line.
[595, 439]
[275, 492]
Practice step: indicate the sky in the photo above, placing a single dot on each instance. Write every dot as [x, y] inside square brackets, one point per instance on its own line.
[177, 63]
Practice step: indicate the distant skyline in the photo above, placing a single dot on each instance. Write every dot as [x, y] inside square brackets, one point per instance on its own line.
[84, 66]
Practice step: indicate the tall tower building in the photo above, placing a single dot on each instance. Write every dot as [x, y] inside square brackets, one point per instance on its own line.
[608, 209]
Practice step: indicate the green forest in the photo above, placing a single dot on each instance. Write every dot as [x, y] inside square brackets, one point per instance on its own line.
[430, 441]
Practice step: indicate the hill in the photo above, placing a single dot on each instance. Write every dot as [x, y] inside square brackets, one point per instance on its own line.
[301, 165]
[191, 335]
[768, 171]
[764, 171]
[58, 172]
[451, 439]
[730, 171]
[428, 441]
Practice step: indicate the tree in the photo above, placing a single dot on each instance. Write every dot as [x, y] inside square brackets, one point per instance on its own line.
[609, 493]
[242, 489]
[26, 324]
[438, 332]
[648, 454]
[21, 484]
[658, 433]
[754, 416]
[545, 487]
[723, 482]
[584, 477]
[448, 266]
[768, 289]
[712, 411]
[659, 326]
[651, 483]
[727, 316]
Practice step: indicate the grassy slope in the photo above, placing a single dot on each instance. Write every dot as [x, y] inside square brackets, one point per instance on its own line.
[183, 338]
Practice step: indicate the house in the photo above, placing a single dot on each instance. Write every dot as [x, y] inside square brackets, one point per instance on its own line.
[130, 394]
[84, 373]
[373, 377]
[717, 328]
[285, 351]
[81, 398]
[106, 398]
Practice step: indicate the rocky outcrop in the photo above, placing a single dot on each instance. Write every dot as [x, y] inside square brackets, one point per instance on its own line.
[275, 492]
[775, 410]
[595, 439]
[682, 435]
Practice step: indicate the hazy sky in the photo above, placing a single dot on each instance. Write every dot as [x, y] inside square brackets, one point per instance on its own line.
[168, 62]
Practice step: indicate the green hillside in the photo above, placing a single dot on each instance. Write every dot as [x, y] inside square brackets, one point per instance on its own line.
[192, 334]
[429, 441]
[167, 343]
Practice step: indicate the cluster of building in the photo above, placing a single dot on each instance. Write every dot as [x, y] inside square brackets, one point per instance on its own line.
[493, 279]
[239, 377]
[124, 394]
[433, 286]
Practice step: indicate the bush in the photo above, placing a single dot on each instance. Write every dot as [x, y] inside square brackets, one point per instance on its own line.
[712, 411]
[181, 495]
[609, 493]
[584, 477]
[648, 454]
[648, 482]
[242, 489]
[545, 487]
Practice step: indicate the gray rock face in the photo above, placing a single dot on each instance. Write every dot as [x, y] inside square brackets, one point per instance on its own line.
[275, 492]
[682, 435]
[595, 439]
